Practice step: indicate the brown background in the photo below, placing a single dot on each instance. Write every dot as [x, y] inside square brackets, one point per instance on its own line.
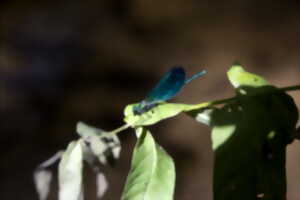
[65, 61]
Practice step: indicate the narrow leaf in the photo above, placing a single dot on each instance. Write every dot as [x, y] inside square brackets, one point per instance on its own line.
[102, 185]
[152, 174]
[70, 172]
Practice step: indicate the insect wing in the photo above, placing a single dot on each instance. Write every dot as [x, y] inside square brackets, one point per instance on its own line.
[168, 86]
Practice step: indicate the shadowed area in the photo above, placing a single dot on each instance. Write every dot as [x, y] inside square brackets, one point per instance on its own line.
[249, 139]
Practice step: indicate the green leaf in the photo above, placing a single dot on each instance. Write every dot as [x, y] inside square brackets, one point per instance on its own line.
[247, 83]
[70, 172]
[239, 77]
[156, 114]
[152, 174]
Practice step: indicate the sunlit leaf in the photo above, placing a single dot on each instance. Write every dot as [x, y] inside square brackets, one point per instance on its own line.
[156, 114]
[239, 77]
[152, 174]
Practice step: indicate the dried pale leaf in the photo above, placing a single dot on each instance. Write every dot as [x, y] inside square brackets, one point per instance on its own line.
[42, 181]
[102, 185]
[42, 176]
[70, 172]
[106, 149]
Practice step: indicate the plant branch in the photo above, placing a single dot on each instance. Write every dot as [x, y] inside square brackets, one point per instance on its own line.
[199, 106]
[290, 88]
[227, 100]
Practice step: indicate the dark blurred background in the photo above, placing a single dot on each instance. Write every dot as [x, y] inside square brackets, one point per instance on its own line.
[65, 61]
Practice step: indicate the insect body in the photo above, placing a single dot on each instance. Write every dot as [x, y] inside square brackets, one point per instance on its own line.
[169, 85]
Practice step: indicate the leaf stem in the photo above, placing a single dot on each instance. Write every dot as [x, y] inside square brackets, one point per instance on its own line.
[115, 131]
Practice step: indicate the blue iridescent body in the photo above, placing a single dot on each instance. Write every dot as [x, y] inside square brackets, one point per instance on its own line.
[170, 84]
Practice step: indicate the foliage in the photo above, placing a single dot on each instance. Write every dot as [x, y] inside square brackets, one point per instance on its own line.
[152, 174]
[249, 136]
